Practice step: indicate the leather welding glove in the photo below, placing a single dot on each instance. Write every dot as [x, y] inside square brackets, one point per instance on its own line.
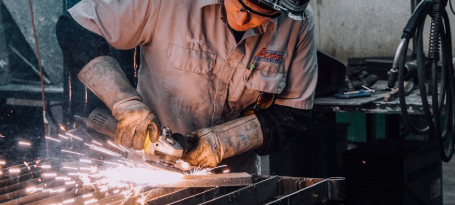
[216, 143]
[105, 78]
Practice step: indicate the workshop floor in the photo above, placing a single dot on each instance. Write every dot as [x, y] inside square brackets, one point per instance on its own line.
[448, 182]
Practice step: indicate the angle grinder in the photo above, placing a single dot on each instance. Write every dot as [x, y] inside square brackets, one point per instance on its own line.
[161, 154]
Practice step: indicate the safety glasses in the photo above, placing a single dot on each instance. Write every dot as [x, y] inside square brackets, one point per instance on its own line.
[253, 14]
[264, 101]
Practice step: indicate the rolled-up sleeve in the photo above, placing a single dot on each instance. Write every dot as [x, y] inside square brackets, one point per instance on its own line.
[303, 72]
[124, 24]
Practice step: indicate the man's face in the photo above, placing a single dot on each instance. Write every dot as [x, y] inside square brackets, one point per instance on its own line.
[242, 20]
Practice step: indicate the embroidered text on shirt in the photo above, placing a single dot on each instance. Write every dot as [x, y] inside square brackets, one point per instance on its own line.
[194, 40]
[269, 56]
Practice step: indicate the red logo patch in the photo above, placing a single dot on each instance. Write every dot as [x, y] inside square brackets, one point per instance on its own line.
[269, 56]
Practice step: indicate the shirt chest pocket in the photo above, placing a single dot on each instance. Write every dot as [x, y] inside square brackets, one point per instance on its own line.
[187, 77]
[267, 77]
[264, 77]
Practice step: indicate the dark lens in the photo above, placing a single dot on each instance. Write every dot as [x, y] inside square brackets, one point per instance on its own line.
[265, 100]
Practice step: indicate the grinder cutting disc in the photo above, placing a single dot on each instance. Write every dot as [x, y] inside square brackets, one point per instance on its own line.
[164, 167]
[151, 160]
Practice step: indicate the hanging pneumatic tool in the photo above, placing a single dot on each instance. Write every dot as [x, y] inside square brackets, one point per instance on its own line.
[161, 154]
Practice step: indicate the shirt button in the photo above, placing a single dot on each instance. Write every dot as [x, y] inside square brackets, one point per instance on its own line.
[231, 62]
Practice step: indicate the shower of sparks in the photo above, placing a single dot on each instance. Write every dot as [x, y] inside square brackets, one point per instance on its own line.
[90, 201]
[72, 152]
[226, 171]
[70, 182]
[25, 143]
[58, 190]
[91, 169]
[53, 139]
[97, 143]
[46, 166]
[49, 174]
[122, 175]
[26, 164]
[63, 178]
[77, 174]
[100, 149]
[123, 148]
[85, 160]
[30, 189]
[74, 168]
[68, 201]
[87, 195]
[142, 199]
[62, 128]
[118, 175]
[127, 178]
[112, 144]
[14, 170]
[73, 136]
[62, 136]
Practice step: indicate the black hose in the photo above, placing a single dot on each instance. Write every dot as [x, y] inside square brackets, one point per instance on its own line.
[439, 33]
[444, 79]
[448, 65]
[402, 94]
[451, 8]
[399, 172]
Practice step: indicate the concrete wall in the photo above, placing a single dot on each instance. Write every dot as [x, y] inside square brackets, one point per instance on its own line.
[46, 13]
[359, 28]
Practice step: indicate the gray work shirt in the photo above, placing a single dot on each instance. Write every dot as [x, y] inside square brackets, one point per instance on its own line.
[193, 73]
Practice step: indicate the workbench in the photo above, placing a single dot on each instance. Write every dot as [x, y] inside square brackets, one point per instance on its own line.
[374, 104]
[314, 153]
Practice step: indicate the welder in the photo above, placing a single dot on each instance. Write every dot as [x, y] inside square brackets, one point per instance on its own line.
[205, 64]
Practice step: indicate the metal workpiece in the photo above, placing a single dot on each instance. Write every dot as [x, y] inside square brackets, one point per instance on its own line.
[213, 180]
[337, 188]
[311, 191]
[42, 186]
[253, 194]
[162, 195]
[206, 195]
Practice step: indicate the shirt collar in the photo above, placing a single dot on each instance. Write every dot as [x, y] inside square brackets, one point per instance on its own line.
[203, 3]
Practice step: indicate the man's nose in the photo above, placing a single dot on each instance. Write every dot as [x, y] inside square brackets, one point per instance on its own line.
[243, 18]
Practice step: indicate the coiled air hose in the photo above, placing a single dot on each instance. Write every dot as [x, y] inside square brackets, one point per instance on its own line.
[440, 40]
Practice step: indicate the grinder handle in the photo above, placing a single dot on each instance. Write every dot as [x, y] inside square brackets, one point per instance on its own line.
[186, 145]
[102, 121]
